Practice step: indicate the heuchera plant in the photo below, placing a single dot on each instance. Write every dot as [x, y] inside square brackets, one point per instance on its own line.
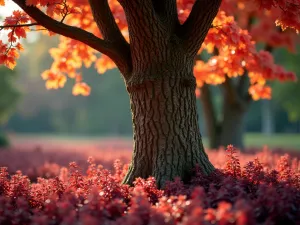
[266, 192]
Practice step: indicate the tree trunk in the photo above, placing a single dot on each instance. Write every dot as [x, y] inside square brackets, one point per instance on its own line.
[161, 86]
[167, 140]
[228, 130]
[232, 130]
[157, 66]
[267, 125]
[211, 124]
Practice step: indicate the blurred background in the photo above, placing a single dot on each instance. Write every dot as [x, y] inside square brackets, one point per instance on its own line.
[29, 111]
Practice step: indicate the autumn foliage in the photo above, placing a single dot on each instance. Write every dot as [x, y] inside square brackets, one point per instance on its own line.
[264, 190]
[235, 44]
[233, 47]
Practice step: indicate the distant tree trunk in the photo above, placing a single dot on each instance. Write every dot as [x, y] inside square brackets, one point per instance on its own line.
[267, 112]
[267, 116]
[230, 128]
[166, 132]
[210, 118]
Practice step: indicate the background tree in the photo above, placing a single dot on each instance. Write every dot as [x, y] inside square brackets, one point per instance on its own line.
[157, 66]
[241, 75]
[57, 112]
[9, 95]
[289, 100]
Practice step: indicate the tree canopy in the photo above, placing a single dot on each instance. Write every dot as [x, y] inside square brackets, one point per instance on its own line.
[92, 27]
[242, 68]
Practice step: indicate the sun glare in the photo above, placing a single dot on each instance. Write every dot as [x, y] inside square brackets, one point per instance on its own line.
[8, 8]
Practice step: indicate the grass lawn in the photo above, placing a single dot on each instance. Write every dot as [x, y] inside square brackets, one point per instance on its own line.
[275, 141]
[287, 141]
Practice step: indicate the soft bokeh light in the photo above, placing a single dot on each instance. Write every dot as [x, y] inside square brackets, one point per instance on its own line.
[8, 8]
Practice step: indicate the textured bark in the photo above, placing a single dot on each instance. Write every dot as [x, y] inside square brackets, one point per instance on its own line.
[167, 11]
[167, 140]
[166, 134]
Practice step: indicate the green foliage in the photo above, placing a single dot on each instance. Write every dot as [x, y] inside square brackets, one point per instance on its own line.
[8, 94]
[4, 142]
[288, 94]
[103, 112]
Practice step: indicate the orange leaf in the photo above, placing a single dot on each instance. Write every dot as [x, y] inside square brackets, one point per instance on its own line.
[20, 32]
[20, 47]
[10, 62]
[81, 88]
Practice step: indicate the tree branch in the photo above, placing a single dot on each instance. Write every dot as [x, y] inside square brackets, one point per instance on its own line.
[120, 58]
[106, 21]
[19, 25]
[195, 28]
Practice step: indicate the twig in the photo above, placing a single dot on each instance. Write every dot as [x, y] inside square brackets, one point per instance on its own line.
[19, 25]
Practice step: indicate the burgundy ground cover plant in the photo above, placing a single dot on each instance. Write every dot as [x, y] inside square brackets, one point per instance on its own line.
[260, 188]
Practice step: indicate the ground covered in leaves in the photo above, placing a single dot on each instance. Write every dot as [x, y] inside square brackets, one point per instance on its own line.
[257, 188]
